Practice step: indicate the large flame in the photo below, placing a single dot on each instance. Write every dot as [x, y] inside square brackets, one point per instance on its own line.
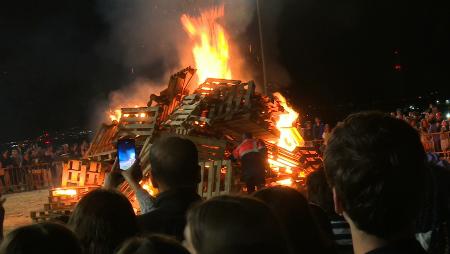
[211, 48]
[290, 138]
[115, 115]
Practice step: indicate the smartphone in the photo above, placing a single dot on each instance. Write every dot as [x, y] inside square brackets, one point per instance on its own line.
[126, 151]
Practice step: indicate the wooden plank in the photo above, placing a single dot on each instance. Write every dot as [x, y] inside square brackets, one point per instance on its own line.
[210, 168]
[228, 176]
[217, 167]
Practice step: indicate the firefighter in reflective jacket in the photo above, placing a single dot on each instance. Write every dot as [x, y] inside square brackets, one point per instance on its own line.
[253, 156]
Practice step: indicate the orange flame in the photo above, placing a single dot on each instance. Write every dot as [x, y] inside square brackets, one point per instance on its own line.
[211, 49]
[64, 192]
[290, 138]
[115, 115]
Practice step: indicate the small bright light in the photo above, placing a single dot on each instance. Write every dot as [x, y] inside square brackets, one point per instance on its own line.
[411, 107]
[447, 101]
[142, 115]
[437, 102]
[448, 115]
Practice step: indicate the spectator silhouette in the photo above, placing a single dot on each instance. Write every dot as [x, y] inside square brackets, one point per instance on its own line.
[375, 166]
[103, 220]
[176, 173]
[153, 244]
[237, 225]
[292, 210]
[43, 238]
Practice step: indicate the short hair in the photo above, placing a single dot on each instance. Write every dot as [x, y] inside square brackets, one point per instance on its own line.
[233, 224]
[376, 164]
[297, 220]
[103, 220]
[319, 191]
[174, 161]
[48, 238]
[152, 244]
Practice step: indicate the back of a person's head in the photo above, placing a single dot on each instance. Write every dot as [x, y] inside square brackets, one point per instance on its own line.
[152, 244]
[174, 162]
[319, 192]
[375, 163]
[231, 224]
[292, 210]
[102, 220]
[43, 238]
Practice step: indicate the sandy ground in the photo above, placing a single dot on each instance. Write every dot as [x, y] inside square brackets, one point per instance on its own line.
[19, 205]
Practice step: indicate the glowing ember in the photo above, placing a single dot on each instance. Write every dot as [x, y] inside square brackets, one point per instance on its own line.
[115, 115]
[290, 138]
[285, 182]
[211, 48]
[64, 192]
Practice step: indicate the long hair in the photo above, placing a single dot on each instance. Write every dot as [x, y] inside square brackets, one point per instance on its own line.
[102, 220]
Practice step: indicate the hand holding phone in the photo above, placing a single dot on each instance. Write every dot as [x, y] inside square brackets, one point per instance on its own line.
[126, 152]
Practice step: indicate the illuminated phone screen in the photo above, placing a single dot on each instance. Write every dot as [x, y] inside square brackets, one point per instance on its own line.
[126, 151]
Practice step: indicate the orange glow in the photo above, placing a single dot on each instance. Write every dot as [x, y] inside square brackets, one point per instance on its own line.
[285, 182]
[142, 115]
[115, 115]
[147, 185]
[211, 47]
[64, 192]
[289, 138]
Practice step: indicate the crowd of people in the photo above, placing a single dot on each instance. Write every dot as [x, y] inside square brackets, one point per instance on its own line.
[377, 193]
[15, 160]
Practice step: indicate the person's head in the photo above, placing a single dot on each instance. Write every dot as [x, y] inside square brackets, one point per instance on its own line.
[247, 135]
[103, 220]
[26, 156]
[231, 224]
[319, 192]
[42, 238]
[152, 244]
[327, 128]
[174, 163]
[444, 123]
[297, 221]
[317, 120]
[14, 153]
[5, 154]
[375, 165]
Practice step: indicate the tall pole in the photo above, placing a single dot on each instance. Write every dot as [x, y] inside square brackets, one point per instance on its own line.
[258, 12]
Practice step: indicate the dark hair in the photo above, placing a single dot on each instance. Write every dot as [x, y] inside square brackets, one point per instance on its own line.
[376, 164]
[232, 224]
[292, 210]
[103, 220]
[174, 162]
[152, 244]
[43, 238]
[319, 191]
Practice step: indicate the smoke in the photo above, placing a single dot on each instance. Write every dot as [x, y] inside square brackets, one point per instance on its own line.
[147, 39]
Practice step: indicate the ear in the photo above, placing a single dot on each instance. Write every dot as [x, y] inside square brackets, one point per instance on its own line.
[337, 203]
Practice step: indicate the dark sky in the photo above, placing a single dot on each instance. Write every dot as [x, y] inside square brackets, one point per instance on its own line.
[57, 60]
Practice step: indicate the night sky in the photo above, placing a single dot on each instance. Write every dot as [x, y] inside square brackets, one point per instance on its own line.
[60, 59]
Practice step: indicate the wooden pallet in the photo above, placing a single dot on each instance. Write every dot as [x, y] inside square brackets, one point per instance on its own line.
[78, 173]
[139, 121]
[103, 145]
[54, 215]
[216, 178]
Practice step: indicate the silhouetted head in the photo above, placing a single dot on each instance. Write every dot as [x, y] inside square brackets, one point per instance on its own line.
[152, 244]
[292, 210]
[103, 220]
[375, 165]
[174, 163]
[229, 224]
[42, 238]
